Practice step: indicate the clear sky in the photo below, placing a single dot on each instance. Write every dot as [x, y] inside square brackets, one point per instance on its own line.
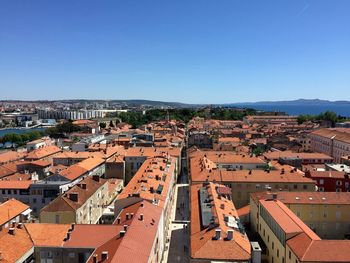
[196, 51]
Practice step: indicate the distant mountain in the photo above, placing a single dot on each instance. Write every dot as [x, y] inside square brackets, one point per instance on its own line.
[299, 102]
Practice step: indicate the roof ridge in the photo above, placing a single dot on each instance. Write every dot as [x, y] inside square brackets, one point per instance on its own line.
[312, 241]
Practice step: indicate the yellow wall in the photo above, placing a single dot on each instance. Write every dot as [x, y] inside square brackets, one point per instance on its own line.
[65, 217]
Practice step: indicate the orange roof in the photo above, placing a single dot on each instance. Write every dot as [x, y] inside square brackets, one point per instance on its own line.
[11, 156]
[153, 152]
[203, 245]
[83, 122]
[91, 236]
[226, 157]
[47, 235]
[10, 209]
[315, 198]
[43, 152]
[7, 169]
[79, 169]
[14, 247]
[154, 174]
[132, 248]
[289, 154]
[15, 184]
[339, 134]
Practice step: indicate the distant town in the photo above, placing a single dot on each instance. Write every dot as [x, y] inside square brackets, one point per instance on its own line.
[141, 181]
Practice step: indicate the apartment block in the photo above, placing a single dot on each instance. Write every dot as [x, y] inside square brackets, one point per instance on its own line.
[327, 214]
[288, 239]
[82, 204]
[334, 142]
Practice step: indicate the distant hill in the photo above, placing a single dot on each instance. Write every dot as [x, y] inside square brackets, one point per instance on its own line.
[136, 102]
[299, 102]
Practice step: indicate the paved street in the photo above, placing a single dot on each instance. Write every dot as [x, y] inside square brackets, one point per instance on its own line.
[178, 248]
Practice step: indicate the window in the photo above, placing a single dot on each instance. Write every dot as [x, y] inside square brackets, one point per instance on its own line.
[338, 214]
[339, 183]
[295, 186]
[57, 219]
[273, 245]
[278, 252]
[304, 186]
[289, 254]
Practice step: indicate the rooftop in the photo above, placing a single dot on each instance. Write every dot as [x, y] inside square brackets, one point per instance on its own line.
[206, 202]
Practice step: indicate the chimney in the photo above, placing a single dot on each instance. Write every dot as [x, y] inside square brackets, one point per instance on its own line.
[122, 233]
[20, 225]
[94, 258]
[141, 217]
[217, 234]
[229, 234]
[13, 223]
[73, 197]
[96, 178]
[131, 215]
[104, 255]
[12, 231]
[222, 206]
[83, 186]
[127, 216]
[142, 204]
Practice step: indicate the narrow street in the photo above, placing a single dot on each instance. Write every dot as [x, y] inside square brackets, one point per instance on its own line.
[178, 248]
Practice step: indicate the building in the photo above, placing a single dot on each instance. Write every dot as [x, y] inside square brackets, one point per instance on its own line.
[243, 182]
[44, 152]
[271, 119]
[13, 210]
[330, 181]
[82, 204]
[154, 182]
[288, 239]
[334, 142]
[200, 139]
[40, 143]
[16, 244]
[11, 156]
[76, 172]
[291, 158]
[135, 156]
[327, 214]
[15, 189]
[115, 168]
[216, 232]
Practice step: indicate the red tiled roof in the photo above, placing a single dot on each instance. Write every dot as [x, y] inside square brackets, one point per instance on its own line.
[10, 209]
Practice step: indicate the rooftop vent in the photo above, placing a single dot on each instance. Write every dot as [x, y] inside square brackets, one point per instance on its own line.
[12, 231]
[229, 234]
[217, 234]
[104, 255]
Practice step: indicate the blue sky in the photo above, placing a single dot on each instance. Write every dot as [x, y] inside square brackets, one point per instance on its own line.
[201, 51]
